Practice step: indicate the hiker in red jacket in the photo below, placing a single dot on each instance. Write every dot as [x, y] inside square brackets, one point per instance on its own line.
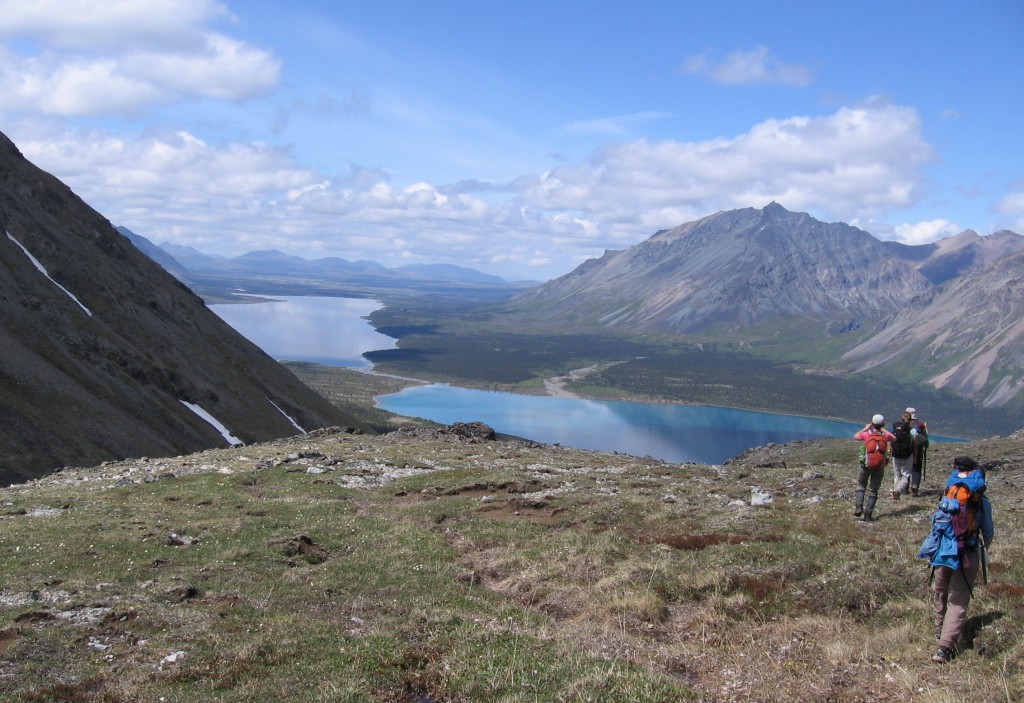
[874, 457]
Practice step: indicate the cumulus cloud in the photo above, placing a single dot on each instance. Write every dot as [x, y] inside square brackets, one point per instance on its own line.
[926, 232]
[755, 67]
[106, 58]
[87, 24]
[854, 164]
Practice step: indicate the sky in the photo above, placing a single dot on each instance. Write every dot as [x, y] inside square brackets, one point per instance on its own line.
[516, 138]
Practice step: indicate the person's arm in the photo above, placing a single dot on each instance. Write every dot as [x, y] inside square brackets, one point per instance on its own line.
[988, 529]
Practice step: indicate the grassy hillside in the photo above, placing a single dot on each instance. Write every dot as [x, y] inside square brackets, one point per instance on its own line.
[420, 566]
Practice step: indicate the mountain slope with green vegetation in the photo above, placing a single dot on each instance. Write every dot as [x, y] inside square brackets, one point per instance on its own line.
[434, 565]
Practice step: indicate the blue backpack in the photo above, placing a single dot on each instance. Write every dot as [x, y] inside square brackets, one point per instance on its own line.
[957, 523]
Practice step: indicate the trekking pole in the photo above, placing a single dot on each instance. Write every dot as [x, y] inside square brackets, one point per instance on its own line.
[984, 563]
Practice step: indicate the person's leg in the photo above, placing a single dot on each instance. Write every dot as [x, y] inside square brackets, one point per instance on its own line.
[907, 469]
[959, 596]
[900, 476]
[874, 483]
[940, 594]
[862, 482]
[915, 474]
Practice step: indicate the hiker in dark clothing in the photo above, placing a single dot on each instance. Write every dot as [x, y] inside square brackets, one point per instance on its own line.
[902, 455]
[872, 465]
[919, 429]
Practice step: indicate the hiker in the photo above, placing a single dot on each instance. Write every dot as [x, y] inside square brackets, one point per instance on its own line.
[965, 531]
[902, 454]
[874, 457]
[919, 429]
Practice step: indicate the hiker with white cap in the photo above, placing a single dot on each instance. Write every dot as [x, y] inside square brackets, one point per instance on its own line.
[874, 456]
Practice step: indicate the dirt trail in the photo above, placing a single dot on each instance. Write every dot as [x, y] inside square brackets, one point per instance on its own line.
[555, 386]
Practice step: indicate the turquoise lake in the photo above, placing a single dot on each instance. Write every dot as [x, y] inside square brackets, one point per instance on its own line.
[334, 332]
[675, 433]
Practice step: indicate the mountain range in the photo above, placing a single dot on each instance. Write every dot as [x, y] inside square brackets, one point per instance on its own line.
[105, 355]
[947, 313]
[274, 272]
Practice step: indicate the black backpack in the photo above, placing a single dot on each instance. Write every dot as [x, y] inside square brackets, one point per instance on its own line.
[903, 447]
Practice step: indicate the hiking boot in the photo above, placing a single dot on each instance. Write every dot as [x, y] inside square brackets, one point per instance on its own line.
[895, 495]
[942, 655]
[859, 511]
[914, 491]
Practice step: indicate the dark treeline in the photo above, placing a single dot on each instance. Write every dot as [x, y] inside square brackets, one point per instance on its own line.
[459, 343]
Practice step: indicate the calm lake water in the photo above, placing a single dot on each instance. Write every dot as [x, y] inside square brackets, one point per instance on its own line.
[333, 331]
[674, 433]
[322, 330]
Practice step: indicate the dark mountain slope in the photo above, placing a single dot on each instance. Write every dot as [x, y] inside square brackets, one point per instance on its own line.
[100, 346]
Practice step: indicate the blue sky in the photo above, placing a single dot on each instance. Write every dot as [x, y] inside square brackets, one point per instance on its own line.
[518, 138]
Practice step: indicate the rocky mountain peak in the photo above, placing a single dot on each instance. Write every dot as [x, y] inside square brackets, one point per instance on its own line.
[741, 275]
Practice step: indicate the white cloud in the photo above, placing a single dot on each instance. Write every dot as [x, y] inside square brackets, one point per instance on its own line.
[612, 126]
[236, 197]
[854, 163]
[926, 232]
[1012, 207]
[108, 58]
[755, 67]
[80, 24]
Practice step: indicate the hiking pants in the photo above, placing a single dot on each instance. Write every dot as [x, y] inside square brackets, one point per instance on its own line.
[951, 596]
[869, 480]
[915, 473]
[901, 469]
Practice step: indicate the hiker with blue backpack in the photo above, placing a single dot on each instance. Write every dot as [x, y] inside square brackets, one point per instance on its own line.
[962, 530]
[874, 455]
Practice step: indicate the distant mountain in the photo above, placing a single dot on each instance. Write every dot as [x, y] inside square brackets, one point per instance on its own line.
[451, 272]
[105, 355]
[158, 255]
[771, 276]
[274, 272]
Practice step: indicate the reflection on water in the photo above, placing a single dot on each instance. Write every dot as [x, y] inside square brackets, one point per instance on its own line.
[675, 433]
[323, 330]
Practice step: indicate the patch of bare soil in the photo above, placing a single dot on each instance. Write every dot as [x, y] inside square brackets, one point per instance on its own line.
[7, 637]
[537, 512]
